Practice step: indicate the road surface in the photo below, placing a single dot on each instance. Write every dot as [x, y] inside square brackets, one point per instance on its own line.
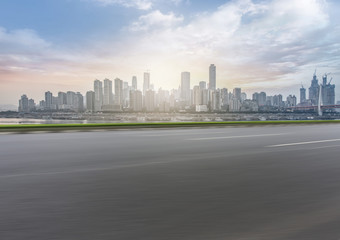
[261, 182]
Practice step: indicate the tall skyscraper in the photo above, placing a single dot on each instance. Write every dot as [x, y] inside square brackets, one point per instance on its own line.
[237, 93]
[328, 92]
[212, 77]
[108, 95]
[90, 101]
[98, 90]
[314, 91]
[146, 83]
[134, 83]
[302, 95]
[48, 100]
[185, 87]
[118, 92]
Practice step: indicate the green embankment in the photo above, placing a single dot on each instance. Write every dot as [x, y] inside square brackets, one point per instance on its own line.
[33, 127]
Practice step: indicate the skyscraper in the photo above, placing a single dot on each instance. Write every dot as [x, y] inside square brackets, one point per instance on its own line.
[185, 87]
[314, 91]
[237, 93]
[90, 101]
[149, 101]
[136, 100]
[48, 100]
[118, 92]
[146, 83]
[302, 95]
[98, 90]
[212, 77]
[328, 92]
[108, 96]
[134, 83]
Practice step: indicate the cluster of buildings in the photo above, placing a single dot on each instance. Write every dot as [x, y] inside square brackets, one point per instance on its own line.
[118, 95]
[326, 89]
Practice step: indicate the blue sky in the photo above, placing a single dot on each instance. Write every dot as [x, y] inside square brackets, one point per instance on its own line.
[271, 45]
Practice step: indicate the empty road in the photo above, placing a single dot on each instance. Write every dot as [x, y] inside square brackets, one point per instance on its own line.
[260, 182]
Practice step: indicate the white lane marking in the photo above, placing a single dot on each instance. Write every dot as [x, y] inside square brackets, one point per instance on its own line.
[244, 136]
[304, 143]
[181, 134]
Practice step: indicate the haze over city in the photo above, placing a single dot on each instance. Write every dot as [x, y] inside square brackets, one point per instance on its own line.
[271, 46]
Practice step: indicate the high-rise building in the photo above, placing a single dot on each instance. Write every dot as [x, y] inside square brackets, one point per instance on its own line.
[197, 95]
[98, 90]
[136, 100]
[70, 99]
[260, 98]
[237, 93]
[62, 98]
[23, 104]
[291, 101]
[224, 98]
[108, 95]
[149, 101]
[78, 102]
[216, 100]
[48, 100]
[90, 101]
[134, 83]
[118, 92]
[314, 91]
[203, 85]
[185, 87]
[302, 95]
[212, 77]
[328, 92]
[146, 83]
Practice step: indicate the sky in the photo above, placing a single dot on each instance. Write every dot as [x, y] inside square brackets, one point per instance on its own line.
[271, 45]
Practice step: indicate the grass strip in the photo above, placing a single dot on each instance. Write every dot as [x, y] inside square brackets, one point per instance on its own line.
[154, 124]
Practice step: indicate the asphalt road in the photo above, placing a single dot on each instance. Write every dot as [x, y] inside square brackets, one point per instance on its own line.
[266, 182]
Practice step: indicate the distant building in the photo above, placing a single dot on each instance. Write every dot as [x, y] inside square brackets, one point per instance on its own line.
[98, 90]
[90, 101]
[48, 100]
[302, 95]
[146, 83]
[134, 83]
[237, 93]
[136, 100]
[149, 101]
[216, 101]
[212, 77]
[314, 91]
[108, 95]
[23, 104]
[185, 87]
[203, 85]
[118, 93]
[291, 101]
[327, 92]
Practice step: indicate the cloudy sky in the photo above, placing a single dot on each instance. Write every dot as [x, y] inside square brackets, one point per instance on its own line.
[271, 45]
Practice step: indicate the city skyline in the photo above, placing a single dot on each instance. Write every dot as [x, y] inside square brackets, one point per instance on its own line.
[118, 95]
[257, 45]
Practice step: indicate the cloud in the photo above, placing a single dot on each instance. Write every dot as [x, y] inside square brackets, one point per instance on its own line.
[256, 41]
[139, 4]
[155, 20]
